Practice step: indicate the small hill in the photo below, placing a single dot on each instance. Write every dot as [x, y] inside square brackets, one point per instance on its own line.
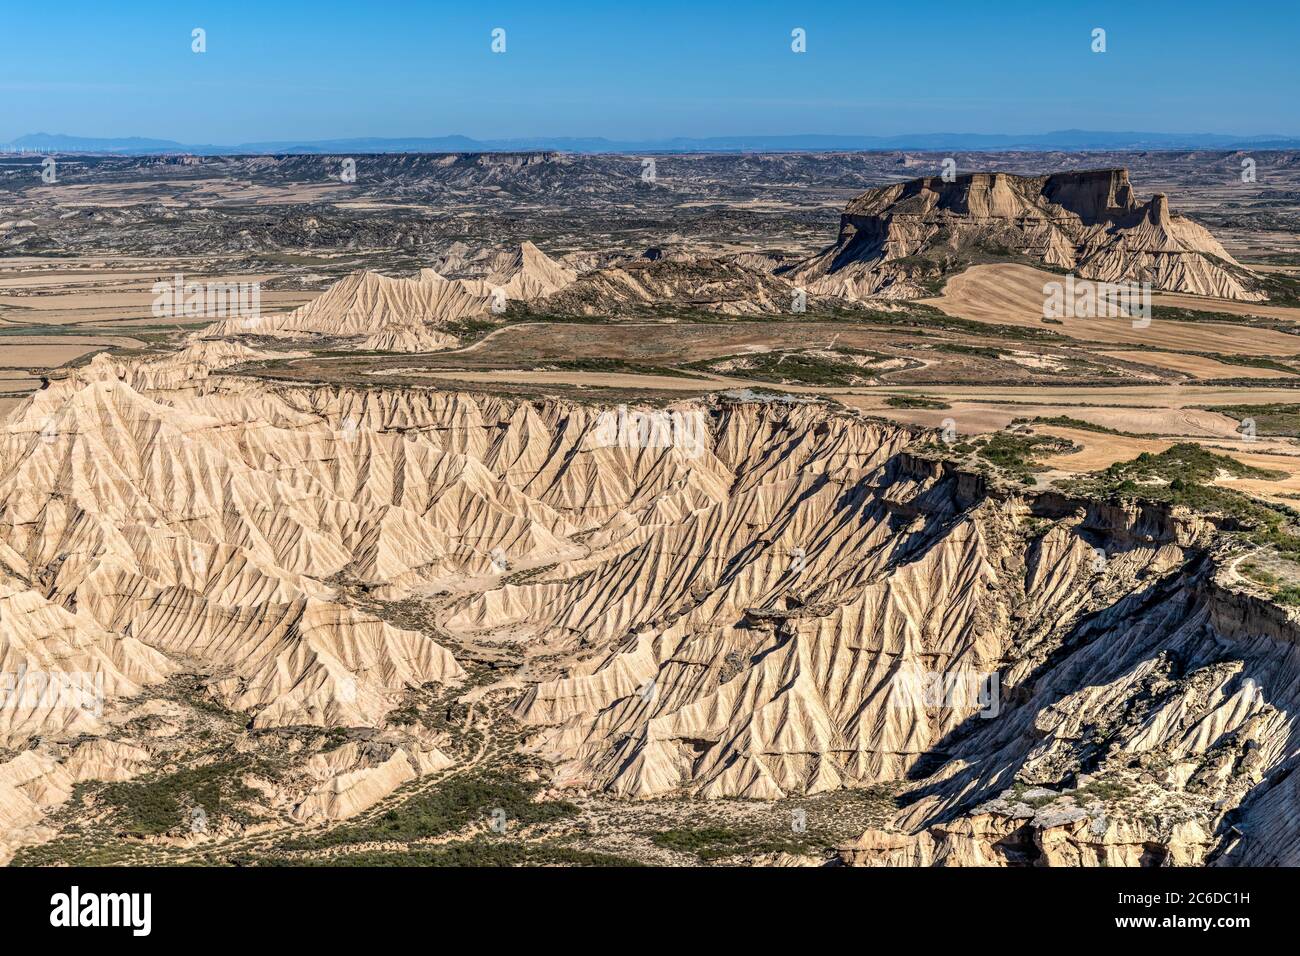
[730, 285]
[406, 315]
[528, 273]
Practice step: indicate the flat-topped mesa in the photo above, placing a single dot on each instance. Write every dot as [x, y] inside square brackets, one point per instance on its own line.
[896, 241]
[1093, 196]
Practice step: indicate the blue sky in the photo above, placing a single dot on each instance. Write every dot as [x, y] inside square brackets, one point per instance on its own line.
[283, 69]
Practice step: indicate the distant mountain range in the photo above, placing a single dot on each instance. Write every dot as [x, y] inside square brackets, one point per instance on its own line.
[1066, 140]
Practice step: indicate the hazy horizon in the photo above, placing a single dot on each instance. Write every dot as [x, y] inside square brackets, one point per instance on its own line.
[812, 140]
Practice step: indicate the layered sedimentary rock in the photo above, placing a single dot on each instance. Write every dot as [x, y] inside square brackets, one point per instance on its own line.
[383, 313]
[895, 240]
[731, 598]
[33, 783]
[183, 525]
[1017, 835]
[736, 285]
[354, 778]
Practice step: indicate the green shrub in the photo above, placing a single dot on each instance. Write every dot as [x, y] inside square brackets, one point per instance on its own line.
[455, 804]
[915, 401]
[157, 806]
[715, 843]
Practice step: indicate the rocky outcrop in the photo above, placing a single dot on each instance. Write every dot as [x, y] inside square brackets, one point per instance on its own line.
[382, 313]
[1159, 732]
[739, 285]
[736, 597]
[37, 781]
[1017, 835]
[896, 241]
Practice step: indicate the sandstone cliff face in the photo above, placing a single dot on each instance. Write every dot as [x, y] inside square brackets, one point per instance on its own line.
[1090, 223]
[1161, 732]
[1017, 835]
[745, 598]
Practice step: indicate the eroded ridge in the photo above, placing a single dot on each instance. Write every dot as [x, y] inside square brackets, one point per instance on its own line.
[746, 597]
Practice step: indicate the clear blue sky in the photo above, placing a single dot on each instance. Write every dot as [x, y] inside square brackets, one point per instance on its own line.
[283, 69]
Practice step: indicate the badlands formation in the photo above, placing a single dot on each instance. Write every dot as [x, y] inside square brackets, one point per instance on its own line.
[747, 614]
[330, 620]
[895, 242]
[373, 312]
[893, 239]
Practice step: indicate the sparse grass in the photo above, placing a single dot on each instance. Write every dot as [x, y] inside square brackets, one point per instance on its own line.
[1263, 576]
[470, 328]
[611, 365]
[916, 317]
[803, 367]
[1281, 288]
[1037, 802]
[477, 852]
[1181, 465]
[1018, 454]
[1277, 419]
[292, 259]
[915, 401]
[457, 803]
[715, 843]
[79, 849]
[1066, 421]
[979, 351]
[1180, 475]
[157, 806]
[1281, 591]
[1249, 361]
[1177, 314]
[1107, 791]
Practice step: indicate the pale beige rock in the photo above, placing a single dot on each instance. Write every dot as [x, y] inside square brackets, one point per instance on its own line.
[35, 782]
[58, 671]
[1089, 223]
[406, 315]
[349, 793]
[751, 601]
[1048, 838]
[353, 778]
